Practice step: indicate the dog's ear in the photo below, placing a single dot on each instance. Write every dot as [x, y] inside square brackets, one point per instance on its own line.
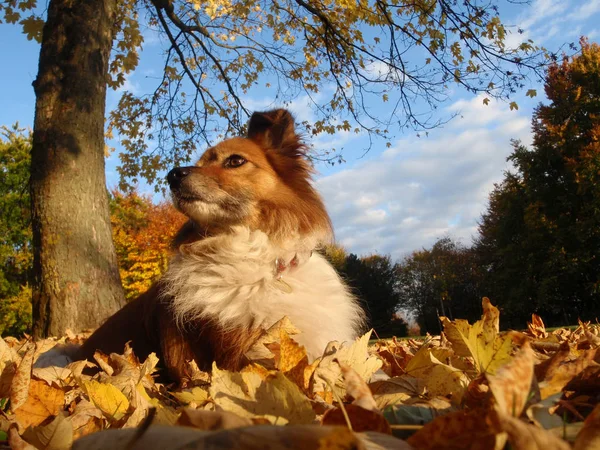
[273, 130]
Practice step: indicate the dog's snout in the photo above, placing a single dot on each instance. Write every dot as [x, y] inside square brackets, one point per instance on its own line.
[176, 176]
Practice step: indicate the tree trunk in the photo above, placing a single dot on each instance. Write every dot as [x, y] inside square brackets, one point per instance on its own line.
[77, 283]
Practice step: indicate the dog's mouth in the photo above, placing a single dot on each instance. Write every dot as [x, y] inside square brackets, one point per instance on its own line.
[181, 196]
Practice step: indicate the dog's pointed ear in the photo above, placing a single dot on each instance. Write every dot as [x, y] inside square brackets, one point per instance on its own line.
[273, 130]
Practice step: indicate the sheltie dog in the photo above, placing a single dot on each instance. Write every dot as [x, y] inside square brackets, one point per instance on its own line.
[246, 258]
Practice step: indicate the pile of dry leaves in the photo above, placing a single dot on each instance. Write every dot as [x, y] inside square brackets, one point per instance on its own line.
[472, 387]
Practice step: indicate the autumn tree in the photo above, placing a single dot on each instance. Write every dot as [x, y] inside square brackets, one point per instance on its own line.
[540, 237]
[440, 281]
[341, 55]
[15, 231]
[143, 233]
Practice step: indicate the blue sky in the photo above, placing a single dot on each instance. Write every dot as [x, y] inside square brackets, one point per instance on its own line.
[394, 200]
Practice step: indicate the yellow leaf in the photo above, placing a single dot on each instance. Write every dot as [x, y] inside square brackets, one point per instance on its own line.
[439, 378]
[110, 400]
[513, 105]
[248, 395]
[480, 341]
[328, 373]
[195, 395]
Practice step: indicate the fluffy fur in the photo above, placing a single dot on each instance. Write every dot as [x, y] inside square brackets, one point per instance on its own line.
[244, 261]
[232, 279]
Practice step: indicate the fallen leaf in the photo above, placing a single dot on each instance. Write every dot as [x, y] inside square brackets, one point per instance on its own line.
[328, 374]
[195, 395]
[19, 389]
[458, 430]
[511, 383]
[562, 368]
[536, 327]
[7, 355]
[259, 352]
[523, 436]
[42, 401]
[290, 353]
[52, 375]
[107, 398]
[266, 437]
[248, 395]
[589, 436]
[211, 420]
[360, 419]
[16, 442]
[439, 379]
[480, 341]
[85, 419]
[57, 435]
[357, 388]
[396, 390]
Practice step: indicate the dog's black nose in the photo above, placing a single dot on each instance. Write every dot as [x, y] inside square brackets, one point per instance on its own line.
[175, 176]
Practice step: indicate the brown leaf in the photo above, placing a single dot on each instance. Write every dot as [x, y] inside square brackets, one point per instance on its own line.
[491, 314]
[266, 437]
[511, 383]
[211, 420]
[563, 368]
[536, 327]
[57, 435]
[589, 436]
[52, 374]
[16, 442]
[357, 388]
[43, 401]
[396, 390]
[85, 419]
[19, 389]
[457, 430]
[523, 436]
[360, 419]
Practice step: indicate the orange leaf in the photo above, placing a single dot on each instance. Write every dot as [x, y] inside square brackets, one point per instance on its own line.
[42, 402]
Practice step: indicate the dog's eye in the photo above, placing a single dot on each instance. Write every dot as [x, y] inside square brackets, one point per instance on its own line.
[234, 161]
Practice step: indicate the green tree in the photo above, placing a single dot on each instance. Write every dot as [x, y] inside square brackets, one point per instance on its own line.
[441, 281]
[15, 231]
[346, 52]
[373, 280]
[541, 234]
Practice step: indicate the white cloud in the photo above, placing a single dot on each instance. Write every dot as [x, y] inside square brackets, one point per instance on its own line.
[424, 188]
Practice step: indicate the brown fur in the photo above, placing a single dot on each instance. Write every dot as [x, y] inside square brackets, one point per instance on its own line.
[272, 192]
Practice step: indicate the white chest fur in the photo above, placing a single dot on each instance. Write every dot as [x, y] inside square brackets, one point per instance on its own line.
[231, 279]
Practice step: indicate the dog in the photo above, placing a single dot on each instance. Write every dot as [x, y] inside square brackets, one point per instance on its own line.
[246, 258]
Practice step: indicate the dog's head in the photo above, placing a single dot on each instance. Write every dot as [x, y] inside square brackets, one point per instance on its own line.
[262, 181]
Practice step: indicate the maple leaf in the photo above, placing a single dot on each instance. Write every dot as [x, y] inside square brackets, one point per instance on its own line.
[328, 374]
[511, 383]
[42, 401]
[249, 395]
[107, 398]
[439, 378]
[58, 434]
[480, 341]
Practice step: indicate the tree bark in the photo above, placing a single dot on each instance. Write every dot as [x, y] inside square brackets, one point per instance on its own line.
[77, 283]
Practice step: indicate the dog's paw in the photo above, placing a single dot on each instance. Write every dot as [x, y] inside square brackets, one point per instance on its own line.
[60, 356]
